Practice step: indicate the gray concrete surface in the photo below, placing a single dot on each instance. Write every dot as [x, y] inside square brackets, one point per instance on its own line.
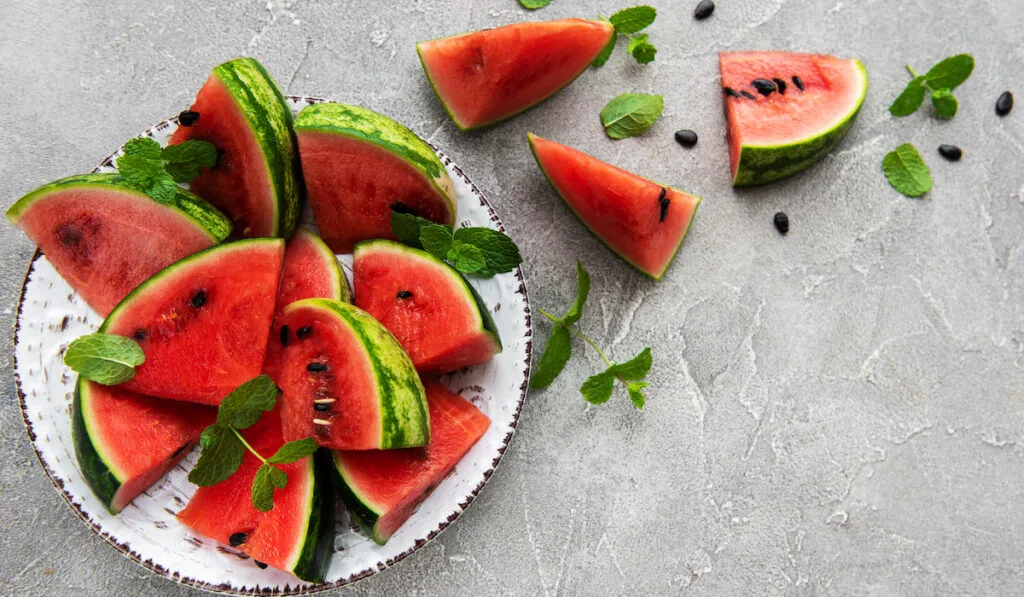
[838, 411]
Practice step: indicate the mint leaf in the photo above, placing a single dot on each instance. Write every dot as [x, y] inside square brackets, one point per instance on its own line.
[138, 171]
[632, 20]
[184, 160]
[406, 227]
[582, 291]
[500, 253]
[598, 388]
[906, 171]
[143, 147]
[635, 390]
[950, 72]
[222, 455]
[244, 406]
[267, 478]
[944, 103]
[104, 358]
[635, 368]
[641, 49]
[556, 354]
[293, 451]
[606, 53]
[534, 4]
[631, 114]
[466, 258]
[910, 99]
[436, 240]
[164, 189]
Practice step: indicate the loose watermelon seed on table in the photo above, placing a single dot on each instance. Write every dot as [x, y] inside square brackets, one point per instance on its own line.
[105, 237]
[359, 166]
[202, 322]
[382, 488]
[433, 312]
[347, 382]
[802, 105]
[642, 221]
[256, 180]
[487, 76]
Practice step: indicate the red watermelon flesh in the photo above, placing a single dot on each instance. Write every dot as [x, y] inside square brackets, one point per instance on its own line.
[310, 271]
[643, 221]
[486, 76]
[203, 322]
[383, 487]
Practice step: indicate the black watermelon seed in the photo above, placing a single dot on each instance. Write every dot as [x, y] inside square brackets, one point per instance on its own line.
[139, 335]
[401, 208]
[686, 138]
[237, 539]
[782, 222]
[763, 86]
[704, 10]
[284, 335]
[303, 332]
[404, 294]
[199, 299]
[748, 95]
[780, 84]
[188, 118]
[951, 152]
[664, 202]
[260, 564]
[730, 92]
[321, 407]
[316, 367]
[1005, 103]
[798, 82]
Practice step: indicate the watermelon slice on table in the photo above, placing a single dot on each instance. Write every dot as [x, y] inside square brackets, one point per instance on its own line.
[310, 271]
[202, 322]
[433, 312]
[346, 381]
[297, 535]
[797, 107]
[256, 180]
[104, 237]
[382, 488]
[126, 442]
[486, 76]
[642, 221]
[359, 166]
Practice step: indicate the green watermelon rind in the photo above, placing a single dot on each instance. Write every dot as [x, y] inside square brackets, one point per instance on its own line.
[318, 539]
[263, 105]
[405, 422]
[95, 470]
[462, 127]
[362, 513]
[371, 127]
[761, 164]
[197, 210]
[654, 276]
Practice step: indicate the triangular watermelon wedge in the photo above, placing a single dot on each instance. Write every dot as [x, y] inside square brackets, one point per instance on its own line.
[643, 221]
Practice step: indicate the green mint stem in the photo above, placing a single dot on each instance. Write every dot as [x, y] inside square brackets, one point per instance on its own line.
[246, 444]
[579, 334]
[911, 71]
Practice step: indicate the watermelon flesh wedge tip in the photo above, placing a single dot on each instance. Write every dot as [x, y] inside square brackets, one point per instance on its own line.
[382, 488]
[104, 237]
[779, 133]
[642, 221]
[486, 76]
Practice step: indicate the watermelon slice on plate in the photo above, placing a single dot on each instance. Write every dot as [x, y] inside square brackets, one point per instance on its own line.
[433, 312]
[786, 110]
[256, 180]
[126, 442]
[203, 322]
[382, 488]
[642, 221]
[347, 382]
[486, 76]
[105, 237]
[359, 166]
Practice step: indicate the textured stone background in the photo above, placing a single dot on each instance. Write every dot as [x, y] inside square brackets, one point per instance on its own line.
[833, 412]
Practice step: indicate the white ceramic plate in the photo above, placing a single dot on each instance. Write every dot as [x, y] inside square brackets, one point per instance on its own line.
[50, 315]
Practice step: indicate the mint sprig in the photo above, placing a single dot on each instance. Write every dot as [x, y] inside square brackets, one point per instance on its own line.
[475, 250]
[534, 4]
[156, 170]
[598, 388]
[939, 82]
[224, 447]
[628, 22]
[106, 359]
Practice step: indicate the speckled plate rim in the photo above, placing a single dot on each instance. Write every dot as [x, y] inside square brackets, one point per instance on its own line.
[306, 589]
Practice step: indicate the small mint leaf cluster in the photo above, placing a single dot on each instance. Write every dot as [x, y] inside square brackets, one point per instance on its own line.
[156, 170]
[939, 82]
[106, 359]
[628, 22]
[476, 250]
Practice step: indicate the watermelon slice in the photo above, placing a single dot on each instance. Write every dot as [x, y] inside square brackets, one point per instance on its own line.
[786, 110]
[126, 442]
[643, 221]
[490, 75]
[347, 382]
[359, 166]
[202, 322]
[433, 312]
[256, 180]
[310, 271]
[104, 237]
[297, 535]
[382, 488]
